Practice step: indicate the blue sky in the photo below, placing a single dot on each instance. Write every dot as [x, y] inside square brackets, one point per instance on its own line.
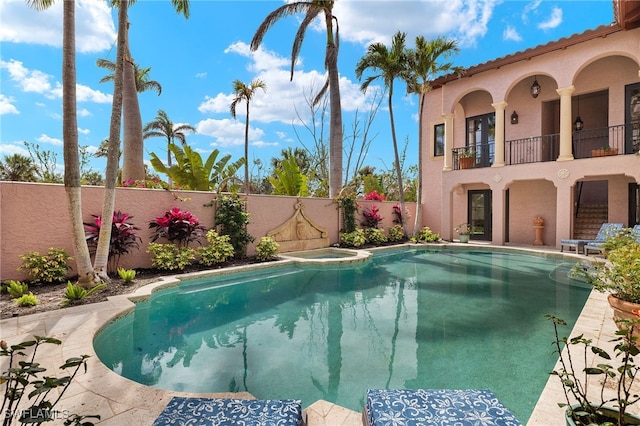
[196, 61]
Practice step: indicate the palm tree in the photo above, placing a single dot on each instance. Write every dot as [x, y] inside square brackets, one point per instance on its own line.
[162, 126]
[18, 168]
[423, 67]
[245, 93]
[312, 9]
[390, 64]
[142, 78]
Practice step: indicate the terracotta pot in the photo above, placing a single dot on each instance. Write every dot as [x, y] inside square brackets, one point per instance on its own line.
[467, 162]
[604, 152]
[624, 310]
[629, 419]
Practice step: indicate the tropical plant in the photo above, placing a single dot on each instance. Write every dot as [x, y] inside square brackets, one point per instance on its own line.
[27, 299]
[467, 152]
[170, 257]
[218, 250]
[74, 294]
[374, 196]
[396, 233]
[22, 377]
[426, 235]
[232, 219]
[191, 173]
[581, 406]
[163, 127]
[267, 249]
[423, 67]
[347, 203]
[177, 226]
[16, 288]
[464, 229]
[142, 78]
[244, 93]
[48, 268]
[374, 236]
[398, 215]
[371, 216]
[312, 9]
[127, 275]
[46, 163]
[288, 179]
[18, 168]
[123, 236]
[355, 238]
[390, 64]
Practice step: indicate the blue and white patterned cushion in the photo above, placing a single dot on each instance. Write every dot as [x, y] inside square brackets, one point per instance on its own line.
[405, 407]
[208, 411]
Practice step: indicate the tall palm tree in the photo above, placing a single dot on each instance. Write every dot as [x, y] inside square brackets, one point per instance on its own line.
[245, 93]
[162, 126]
[142, 78]
[389, 64]
[312, 9]
[18, 168]
[86, 274]
[423, 68]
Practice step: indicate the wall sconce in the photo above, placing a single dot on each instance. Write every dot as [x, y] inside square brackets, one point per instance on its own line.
[514, 118]
[535, 88]
[578, 124]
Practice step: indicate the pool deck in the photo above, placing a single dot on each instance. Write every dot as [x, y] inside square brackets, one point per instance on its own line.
[121, 401]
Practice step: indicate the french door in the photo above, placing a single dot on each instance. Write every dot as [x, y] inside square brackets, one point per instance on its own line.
[479, 214]
[632, 118]
[481, 136]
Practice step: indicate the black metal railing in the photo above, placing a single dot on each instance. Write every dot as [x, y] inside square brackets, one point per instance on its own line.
[599, 142]
[537, 149]
[477, 156]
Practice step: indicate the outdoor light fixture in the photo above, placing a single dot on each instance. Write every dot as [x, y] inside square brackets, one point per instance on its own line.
[535, 88]
[578, 124]
[514, 118]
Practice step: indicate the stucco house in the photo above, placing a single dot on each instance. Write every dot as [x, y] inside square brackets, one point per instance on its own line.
[552, 132]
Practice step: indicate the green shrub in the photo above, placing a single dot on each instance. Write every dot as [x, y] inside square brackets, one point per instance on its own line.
[267, 249]
[375, 236]
[396, 233]
[28, 299]
[126, 275]
[48, 268]
[219, 249]
[16, 288]
[170, 257]
[353, 239]
[74, 293]
[349, 208]
[426, 235]
[233, 221]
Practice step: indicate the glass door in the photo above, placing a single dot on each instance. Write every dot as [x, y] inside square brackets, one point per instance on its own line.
[481, 136]
[632, 118]
[479, 214]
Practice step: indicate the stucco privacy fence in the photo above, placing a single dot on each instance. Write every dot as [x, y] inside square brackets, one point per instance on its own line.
[35, 217]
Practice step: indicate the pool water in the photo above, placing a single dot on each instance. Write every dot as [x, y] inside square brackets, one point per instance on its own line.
[413, 319]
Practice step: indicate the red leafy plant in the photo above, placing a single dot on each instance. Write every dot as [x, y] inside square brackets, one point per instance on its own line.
[178, 227]
[123, 236]
[397, 213]
[374, 196]
[372, 217]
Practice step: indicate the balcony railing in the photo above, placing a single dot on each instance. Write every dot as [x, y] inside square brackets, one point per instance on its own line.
[537, 149]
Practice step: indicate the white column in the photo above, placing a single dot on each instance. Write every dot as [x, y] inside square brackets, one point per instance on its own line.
[498, 160]
[448, 142]
[566, 125]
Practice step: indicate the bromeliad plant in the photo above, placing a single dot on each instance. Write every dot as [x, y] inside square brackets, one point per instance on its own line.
[177, 226]
[372, 217]
[583, 407]
[123, 236]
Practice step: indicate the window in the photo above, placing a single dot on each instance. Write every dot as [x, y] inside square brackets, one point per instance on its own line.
[438, 140]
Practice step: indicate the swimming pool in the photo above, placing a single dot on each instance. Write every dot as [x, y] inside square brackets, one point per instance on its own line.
[423, 318]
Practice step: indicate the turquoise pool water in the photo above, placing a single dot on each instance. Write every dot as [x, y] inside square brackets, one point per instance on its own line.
[411, 319]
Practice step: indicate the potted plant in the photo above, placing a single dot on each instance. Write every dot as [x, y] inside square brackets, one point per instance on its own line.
[467, 158]
[604, 151]
[464, 231]
[609, 405]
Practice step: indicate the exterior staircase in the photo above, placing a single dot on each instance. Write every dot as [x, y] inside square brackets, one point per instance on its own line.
[589, 220]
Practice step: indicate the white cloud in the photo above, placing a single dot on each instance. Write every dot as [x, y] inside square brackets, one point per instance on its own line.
[91, 149]
[262, 144]
[84, 131]
[201, 75]
[49, 140]
[227, 132]
[6, 105]
[95, 30]
[554, 20]
[28, 80]
[83, 94]
[531, 7]
[13, 148]
[510, 33]
[83, 112]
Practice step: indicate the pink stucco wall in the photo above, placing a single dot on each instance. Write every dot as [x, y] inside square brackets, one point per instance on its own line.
[34, 217]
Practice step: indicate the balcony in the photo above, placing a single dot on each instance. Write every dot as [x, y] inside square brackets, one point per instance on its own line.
[586, 143]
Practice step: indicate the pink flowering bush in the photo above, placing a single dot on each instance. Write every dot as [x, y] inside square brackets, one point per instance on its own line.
[177, 226]
[153, 183]
[374, 196]
[372, 217]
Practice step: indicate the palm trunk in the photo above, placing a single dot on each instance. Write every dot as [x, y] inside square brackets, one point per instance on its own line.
[86, 275]
[102, 252]
[335, 111]
[132, 156]
[246, 152]
[397, 156]
[418, 218]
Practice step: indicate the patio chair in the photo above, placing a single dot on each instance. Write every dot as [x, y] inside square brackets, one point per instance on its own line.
[593, 246]
[606, 230]
[434, 407]
[227, 411]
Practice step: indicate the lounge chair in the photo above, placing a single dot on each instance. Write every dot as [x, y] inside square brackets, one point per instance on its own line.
[226, 411]
[606, 230]
[435, 407]
[598, 246]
